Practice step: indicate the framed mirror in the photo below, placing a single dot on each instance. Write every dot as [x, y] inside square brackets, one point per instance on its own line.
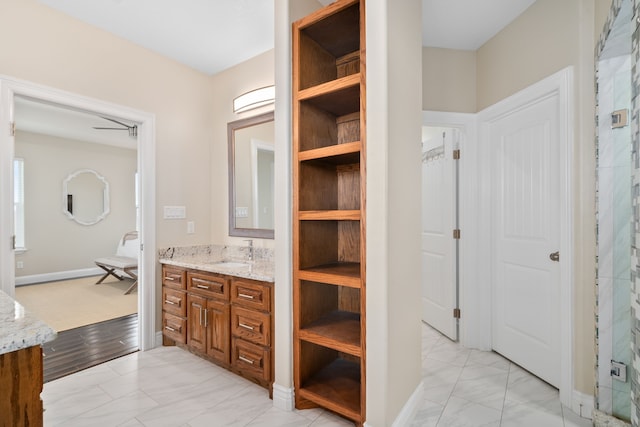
[85, 197]
[251, 176]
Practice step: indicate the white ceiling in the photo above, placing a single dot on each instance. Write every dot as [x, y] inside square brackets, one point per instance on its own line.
[213, 35]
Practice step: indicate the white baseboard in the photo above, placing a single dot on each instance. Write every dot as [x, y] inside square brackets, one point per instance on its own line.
[283, 397]
[408, 412]
[58, 275]
[582, 404]
[410, 408]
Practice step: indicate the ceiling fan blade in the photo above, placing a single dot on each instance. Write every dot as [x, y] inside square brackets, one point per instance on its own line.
[116, 121]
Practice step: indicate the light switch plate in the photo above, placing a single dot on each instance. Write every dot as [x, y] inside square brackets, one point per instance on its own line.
[242, 212]
[175, 212]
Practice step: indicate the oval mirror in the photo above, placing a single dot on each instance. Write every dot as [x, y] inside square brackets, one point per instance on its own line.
[85, 197]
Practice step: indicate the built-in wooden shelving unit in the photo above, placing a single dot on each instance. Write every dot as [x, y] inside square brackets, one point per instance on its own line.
[329, 180]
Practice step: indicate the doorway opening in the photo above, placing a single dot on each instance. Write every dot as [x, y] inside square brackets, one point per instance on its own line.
[12, 91]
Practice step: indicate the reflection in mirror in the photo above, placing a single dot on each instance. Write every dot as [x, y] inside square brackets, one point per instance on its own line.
[251, 173]
[85, 197]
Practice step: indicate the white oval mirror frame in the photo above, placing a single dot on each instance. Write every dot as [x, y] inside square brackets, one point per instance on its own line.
[67, 203]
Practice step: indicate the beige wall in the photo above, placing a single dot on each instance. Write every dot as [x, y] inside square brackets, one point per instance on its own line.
[227, 85]
[448, 80]
[55, 242]
[61, 52]
[394, 80]
[543, 40]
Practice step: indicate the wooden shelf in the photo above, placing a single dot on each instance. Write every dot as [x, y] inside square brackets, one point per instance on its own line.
[321, 27]
[343, 274]
[338, 215]
[342, 154]
[339, 330]
[338, 97]
[336, 387]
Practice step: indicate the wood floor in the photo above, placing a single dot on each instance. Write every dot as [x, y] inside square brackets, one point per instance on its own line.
[80, 348]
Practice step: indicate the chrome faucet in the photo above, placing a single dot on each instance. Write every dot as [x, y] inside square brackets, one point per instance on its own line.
[250, 249]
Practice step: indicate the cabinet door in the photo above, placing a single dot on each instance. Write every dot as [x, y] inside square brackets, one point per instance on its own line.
[196, 330]
[217, 321]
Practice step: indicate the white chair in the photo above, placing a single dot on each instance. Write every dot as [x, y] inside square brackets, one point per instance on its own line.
[124, 262]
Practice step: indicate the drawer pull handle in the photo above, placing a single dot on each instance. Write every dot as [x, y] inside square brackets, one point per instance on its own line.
[170, 302]
[247, 296]
[168, 278]
[202, 287]
[243, 325]
[244, 359]
[170, 328]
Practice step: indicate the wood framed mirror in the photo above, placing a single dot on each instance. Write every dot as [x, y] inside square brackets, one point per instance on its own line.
[251, 176]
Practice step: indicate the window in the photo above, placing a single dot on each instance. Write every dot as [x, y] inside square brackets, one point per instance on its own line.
[18, 202]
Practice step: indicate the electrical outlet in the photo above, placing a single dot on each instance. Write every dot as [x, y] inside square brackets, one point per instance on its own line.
[19, 264]
[619, 371]
[191, 227]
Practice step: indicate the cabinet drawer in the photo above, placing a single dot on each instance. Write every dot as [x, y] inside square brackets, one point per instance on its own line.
[173, 277]
[174, 301]
[210, 285]
[251, 294]
[251, 359]
[174, 327]
[251, 325]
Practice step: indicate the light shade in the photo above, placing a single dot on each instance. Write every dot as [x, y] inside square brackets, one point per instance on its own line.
[254, 99]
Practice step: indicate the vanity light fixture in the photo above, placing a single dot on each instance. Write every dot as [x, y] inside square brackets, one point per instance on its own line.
[254, 99]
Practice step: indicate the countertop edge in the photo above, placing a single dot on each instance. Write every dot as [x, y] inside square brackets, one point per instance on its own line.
[20, 328]
[261, 274]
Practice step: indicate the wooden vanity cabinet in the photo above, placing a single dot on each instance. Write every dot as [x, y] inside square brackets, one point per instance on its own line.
[208, 327]
[227, 320]
[252, 330]
[208, 315]
[174, 305]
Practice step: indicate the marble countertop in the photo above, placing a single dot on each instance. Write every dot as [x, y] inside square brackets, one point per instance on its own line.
[19, 328]
[256, 270]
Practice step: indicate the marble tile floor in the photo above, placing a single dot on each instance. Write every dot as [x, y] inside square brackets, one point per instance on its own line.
[168, 386]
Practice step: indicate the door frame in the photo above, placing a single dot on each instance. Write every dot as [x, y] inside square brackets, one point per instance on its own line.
[467, 197]
[9, 88]
[559, 85]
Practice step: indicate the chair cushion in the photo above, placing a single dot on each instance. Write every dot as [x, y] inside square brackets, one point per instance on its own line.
[119, 262]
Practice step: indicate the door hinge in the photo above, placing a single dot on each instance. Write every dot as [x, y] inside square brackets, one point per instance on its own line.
[13, 242]
[141, 247]
[456, 233]
[456, 154]
[12, 128]
[456, 313]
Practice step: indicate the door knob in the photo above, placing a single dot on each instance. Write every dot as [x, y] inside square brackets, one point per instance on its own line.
[555, 256]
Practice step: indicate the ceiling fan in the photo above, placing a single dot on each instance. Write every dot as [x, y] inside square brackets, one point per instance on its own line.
[133, 130]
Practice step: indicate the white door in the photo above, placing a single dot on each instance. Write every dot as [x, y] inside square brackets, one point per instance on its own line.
[439, 290]
[525, 187]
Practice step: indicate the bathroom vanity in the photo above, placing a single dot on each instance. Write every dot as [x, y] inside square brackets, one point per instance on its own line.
[21, 370]
[221, 309]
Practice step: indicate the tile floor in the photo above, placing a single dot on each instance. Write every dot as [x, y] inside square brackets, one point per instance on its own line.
[171, 387]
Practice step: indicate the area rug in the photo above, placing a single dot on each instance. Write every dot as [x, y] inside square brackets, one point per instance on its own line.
[73, 303]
